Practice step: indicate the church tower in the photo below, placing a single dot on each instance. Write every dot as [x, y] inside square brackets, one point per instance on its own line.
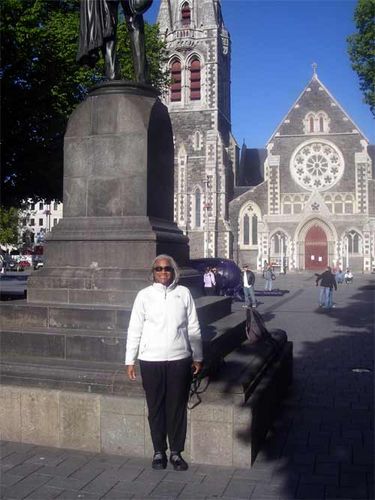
[198, 47]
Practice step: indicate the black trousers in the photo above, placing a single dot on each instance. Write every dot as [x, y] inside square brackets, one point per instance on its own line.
[167, 385]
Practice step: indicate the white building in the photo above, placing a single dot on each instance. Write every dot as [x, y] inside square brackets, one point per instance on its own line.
[38, 218]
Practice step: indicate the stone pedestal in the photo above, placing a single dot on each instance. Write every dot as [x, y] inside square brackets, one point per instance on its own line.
[118, 201]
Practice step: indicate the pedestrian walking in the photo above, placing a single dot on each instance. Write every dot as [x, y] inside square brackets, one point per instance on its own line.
[209, 282]
[269, 277]
[248, 281]
[339, 276]
[164, 333]
[327, 284]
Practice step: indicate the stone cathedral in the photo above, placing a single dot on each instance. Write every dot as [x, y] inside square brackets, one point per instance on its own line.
[199, 105]
[314, 203]
[305, 201]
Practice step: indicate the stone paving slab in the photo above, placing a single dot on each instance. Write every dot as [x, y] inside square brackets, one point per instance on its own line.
[320, 447]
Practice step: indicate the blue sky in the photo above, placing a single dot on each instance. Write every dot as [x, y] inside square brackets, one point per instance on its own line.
[274, 43]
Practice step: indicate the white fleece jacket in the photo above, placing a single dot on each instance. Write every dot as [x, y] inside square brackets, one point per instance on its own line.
[163, 325]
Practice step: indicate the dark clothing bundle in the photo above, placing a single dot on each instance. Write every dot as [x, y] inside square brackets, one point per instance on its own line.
[250, 277]
[327, 279]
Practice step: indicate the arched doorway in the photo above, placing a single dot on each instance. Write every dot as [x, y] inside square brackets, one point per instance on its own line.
[316, 249]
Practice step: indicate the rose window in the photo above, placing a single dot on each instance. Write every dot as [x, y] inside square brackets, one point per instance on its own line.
[317, 166]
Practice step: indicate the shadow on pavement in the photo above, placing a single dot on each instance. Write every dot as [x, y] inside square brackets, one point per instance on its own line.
[322, 444]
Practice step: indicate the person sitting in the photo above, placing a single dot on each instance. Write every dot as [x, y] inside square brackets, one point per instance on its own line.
[348, 277]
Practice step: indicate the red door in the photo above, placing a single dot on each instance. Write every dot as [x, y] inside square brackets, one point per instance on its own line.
[316, 249]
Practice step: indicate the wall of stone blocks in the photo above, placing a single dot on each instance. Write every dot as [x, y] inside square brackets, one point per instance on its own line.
[119, 425]
[222, 430]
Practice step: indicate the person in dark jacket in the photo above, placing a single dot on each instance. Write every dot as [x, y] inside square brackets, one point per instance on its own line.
[327, 283]
[248, 280]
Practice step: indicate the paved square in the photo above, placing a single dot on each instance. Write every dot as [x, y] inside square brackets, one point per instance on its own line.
[320, 447]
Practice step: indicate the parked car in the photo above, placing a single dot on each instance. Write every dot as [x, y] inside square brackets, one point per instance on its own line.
[23, 264]
[9, 263]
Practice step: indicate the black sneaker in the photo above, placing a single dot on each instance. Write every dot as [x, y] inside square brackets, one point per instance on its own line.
[160, 460]
[178, 462]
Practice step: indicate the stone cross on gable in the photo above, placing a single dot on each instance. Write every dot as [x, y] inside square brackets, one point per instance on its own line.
[314, 67]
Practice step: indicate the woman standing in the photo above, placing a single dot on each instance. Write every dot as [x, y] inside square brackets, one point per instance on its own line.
[164, 332]
[209, 282]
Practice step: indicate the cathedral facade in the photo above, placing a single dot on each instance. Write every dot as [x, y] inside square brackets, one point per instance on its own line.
[305, 201]
[316, 204]
[199, 54]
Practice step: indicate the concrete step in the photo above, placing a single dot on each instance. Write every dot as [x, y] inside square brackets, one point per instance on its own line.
[96, 285]
[99, 334]
[82, 376]
[21, 315]
[240, 371]
[91, 406]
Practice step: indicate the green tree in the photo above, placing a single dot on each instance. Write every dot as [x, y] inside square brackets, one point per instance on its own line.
[9, 225]
[41, 85]
[361, 48]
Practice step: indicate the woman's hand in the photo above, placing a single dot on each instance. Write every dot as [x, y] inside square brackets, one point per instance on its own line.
[131, 372]
[197, 367]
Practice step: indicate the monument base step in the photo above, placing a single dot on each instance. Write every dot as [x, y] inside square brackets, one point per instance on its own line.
[92, 406]
[98, 334]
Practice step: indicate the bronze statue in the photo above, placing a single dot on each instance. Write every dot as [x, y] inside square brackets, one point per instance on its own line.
[98, 23]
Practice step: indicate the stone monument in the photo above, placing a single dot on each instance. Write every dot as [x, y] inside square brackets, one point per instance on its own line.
[118, 200]
[118, 178]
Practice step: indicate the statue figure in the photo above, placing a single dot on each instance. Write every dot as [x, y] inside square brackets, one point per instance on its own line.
[98, 23]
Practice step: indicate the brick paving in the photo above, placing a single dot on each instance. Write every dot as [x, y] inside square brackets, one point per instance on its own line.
[320, 447]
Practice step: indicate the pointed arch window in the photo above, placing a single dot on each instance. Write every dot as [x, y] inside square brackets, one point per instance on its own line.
[186, 14]
[338, 205]
[276, 244]
[348, 207]
[316, 123]
[176, 80]
[248, 225]
[321, 124]
[246, 230]
[311, 124]
[195, 79]
[354, 242]
[254, 230]
[198, 211]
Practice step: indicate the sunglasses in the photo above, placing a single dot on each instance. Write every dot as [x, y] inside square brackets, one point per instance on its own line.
[167, 269]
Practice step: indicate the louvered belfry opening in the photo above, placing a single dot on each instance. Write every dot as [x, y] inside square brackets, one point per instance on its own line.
[186, 14]
[176, 80]
[195, 80]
